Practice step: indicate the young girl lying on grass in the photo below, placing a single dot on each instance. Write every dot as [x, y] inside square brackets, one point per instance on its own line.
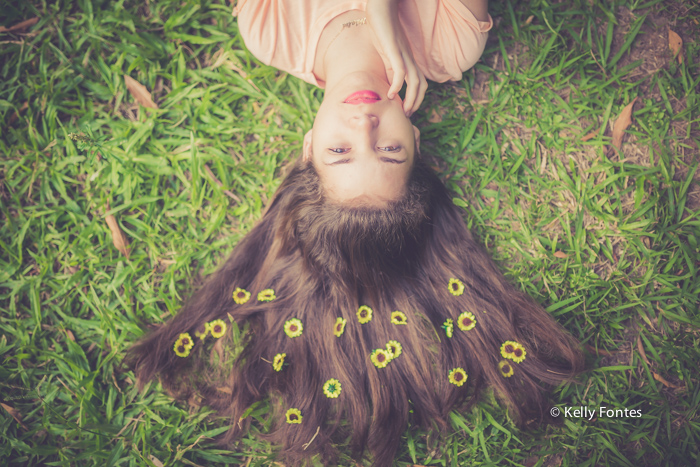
[367, 302]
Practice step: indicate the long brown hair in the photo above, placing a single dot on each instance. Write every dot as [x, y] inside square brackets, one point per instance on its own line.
[323, 262]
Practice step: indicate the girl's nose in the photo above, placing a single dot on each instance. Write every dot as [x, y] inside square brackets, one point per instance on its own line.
[365, 120]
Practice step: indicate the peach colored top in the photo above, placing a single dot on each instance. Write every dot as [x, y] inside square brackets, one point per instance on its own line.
[445, 37]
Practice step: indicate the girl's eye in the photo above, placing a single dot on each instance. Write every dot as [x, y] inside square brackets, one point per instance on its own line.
[338, 150]
[391, 148]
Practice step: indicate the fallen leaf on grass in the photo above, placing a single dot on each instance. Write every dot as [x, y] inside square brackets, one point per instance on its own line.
[434, 117]
[590, 135]
[15, 414]
[70, 335]
[661, 380]
[529, 19]
[676, 44]
[118, 237]
[641, 351]
[598, 351]
[20, 26]
[139, 92]
[560, 254]
[622, 123]
[155, 461]
[15, 115]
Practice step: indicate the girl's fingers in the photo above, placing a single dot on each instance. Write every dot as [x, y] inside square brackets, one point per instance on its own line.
[421, 93]
[397, 82]
[397, 64]
[413, 82]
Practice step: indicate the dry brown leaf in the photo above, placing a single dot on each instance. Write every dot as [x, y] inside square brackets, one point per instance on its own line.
[598, 351]
[118, 237]
[661, 380]
[139, 92]
[15, 414]
[641, 351]
[676, 44]
[590, 135]
[560, 254]
[20, 26]
[70, 335]
[15, 115]
[155, 461]
[529, 19]
[622, 123]
[434, 117]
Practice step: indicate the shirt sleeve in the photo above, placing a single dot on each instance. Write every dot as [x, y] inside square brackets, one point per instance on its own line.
[452, 39]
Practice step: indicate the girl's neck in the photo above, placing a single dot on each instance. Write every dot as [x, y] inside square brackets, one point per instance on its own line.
[346, 51]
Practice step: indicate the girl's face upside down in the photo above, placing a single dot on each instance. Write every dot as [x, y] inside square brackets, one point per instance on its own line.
[362, 144]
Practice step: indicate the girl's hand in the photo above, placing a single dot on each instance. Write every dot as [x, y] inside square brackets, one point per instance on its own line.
[383, 17]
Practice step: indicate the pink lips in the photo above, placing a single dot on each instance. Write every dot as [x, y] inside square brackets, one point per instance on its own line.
[362, 97]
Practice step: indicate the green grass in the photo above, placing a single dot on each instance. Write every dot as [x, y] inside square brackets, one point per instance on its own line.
[607, 241]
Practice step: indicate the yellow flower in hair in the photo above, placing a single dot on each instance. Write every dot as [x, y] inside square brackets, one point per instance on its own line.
[332, 388]
[204, 333]
[266, 295]
[185, 340]
[506, 368]
[514, 351]
[183, 344]
[217, 328]
[278, 361]
[293, 327]
[364, 314]
[448, 326]
[294, 416]
[394, 349]
[398, 317]
[466, 321]
[339, 326]
[458, 377]
[241, 296]
[181, 350]
[380, 358]
[456, 287]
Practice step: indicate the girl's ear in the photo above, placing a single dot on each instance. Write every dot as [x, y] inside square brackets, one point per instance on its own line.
[416, 136]
[307, 151]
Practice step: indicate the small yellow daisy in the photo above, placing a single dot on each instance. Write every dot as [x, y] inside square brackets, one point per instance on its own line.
[456, 287]
[183, 344]
[203, 334]
[506, 368]
[397, 317]
[380, 358]
[278, 361]
[458, 377]
[332, 388]
[514, 351]
[294, 416]
[339, 326]
[181, 350]
[241, 296]
[448, 326]
[394, 349]
[364, 314]
[293, 327]
[185, 340]
[466, 321]
[266, 295]
[217, 328]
